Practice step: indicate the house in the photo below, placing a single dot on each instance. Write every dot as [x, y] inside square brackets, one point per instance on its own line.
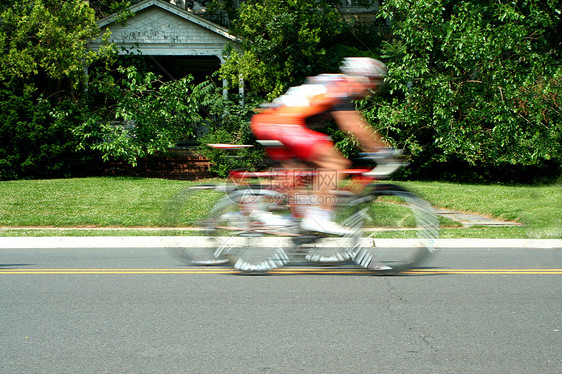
[177, 38]
[174, 40]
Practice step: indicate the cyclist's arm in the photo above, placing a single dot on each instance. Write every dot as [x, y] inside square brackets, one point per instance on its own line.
[352, 121]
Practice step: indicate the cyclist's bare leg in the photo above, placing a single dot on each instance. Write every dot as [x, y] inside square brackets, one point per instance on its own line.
[286, 181]
[329, 161]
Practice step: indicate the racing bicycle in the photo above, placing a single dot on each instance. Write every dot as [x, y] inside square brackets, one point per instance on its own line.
[254, 226]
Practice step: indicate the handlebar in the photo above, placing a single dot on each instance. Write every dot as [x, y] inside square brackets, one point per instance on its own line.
[382, 154]
[388, 161]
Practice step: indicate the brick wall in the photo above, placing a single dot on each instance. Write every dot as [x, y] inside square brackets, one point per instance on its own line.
[182, 164]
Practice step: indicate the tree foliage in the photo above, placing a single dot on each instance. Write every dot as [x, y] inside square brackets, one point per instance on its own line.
[140, 114]
[46, 38]
[281, 43]
[44, 51]
[104, 8]
[474, 82]
[59, 119]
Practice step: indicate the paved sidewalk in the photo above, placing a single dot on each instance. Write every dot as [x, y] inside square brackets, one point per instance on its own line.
[469, 219]
[201, 241]
[466, 219]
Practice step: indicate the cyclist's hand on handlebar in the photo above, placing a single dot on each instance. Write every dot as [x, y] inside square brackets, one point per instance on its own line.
[382, 154]
[388, 161]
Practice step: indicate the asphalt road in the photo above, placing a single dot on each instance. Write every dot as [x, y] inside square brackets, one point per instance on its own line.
[138, 310]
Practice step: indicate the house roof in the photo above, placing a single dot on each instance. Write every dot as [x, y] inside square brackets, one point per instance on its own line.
[161, 28]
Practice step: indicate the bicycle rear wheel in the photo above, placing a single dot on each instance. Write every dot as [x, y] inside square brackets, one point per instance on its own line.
[388, 213]
[188, 209]
[252, 243]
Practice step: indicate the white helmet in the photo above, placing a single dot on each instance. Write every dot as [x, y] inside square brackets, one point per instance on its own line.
[364, 66]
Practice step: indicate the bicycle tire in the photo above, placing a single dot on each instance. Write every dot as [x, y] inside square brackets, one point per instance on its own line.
[186, 208]
[385, 213]
[251, 246]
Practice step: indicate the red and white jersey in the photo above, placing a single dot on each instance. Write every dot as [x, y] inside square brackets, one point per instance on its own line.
[321, 93]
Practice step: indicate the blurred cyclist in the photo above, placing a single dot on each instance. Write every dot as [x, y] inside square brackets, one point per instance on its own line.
[285, 121]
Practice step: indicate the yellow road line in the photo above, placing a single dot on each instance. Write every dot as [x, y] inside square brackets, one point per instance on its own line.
[489, 271]
[278, 271]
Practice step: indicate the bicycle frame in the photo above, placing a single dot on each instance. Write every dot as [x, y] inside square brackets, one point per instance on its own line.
[299, 179]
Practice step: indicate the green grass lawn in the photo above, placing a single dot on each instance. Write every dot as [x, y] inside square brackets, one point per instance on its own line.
[116, 206]
[538, 208]
[99, 202]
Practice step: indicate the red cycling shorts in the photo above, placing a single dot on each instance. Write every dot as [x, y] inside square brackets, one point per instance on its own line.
[298, 140]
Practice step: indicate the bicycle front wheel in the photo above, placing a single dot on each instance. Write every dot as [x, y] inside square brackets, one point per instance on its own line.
[398, 229]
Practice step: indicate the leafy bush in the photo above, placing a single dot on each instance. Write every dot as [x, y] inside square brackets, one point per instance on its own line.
[474, 85]
[141, 115]
[42, 57]
[282, 43]
[227, 121]
[36, 143]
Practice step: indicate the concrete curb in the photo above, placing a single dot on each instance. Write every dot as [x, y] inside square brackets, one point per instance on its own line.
[201, 241]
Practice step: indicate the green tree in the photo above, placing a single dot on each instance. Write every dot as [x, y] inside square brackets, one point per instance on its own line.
[132, 114]
[104, 8]
[474, 82]
[42, 60]
[46, 39]
[281, 43]
[60, 119]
